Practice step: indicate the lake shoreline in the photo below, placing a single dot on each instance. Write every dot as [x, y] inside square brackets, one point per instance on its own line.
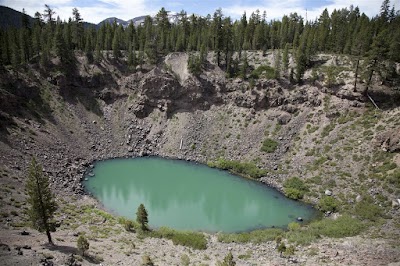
[259, 186]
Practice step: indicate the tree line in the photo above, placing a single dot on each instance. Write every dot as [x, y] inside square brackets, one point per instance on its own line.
[344, 31]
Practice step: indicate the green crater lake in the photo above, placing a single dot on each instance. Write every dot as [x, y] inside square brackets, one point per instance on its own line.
[189, 196]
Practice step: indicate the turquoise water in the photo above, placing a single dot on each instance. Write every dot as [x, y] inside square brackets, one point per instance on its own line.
[189, 196]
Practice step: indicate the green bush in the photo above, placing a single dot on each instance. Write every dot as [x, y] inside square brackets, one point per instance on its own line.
[343, 226]
[189, 239]
[304, 236]
[269, 145]
[129, 225]
[247, 169]
[269, 72]
[294, 193]
[82, 244]
[394, 178]
[367, 210]
[185, 260]
[295, 188]
[293, 226]
[256, 236]
[328, 203]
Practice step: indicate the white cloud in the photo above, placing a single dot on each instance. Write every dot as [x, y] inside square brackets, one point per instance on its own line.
[32, 6]
[123, 9]
[127, 9]
[276, 9]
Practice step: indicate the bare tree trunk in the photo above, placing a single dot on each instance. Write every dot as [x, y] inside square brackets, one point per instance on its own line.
[355, 79]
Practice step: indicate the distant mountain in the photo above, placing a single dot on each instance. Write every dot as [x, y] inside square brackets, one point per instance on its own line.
[111, 21]
[11, 18]
[125, 23]
[172, 17]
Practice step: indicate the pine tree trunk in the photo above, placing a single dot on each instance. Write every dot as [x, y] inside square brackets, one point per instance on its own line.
[43, 213]
[49, 237]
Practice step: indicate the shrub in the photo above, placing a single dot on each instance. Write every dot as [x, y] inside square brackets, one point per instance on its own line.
[189, 239]
[394, 178]
[281, 248]
[256, 236]
[343, 226]
[290, 250]
[129, 225]
[328, 203]
[82, 244]
[228, 260]
[263, 71]
[293, 193]
[293, 226]
[295, 188]
[185, 260]
[247, 169]
[367, 210]
[146, 261]
[269, 145]
[304, 236]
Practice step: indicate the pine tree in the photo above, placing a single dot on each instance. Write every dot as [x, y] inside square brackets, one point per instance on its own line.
[324, 23]
[301, 61]
[277, 65]
[244, 67]
[141, 217]
[330, 77]
[45, 56]
[163, 27]
[115, 47]
[59, 44]
[132, 61]
[285, 59]
[88, 47]
[82, 244]
[24, 35]
[49, 14]
[14, 49]
[218, 34]
[41, 200]
[77, 29]
[97, 55]
[5, 48]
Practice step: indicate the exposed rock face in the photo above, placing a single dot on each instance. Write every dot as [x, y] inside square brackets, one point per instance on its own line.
[390, 140]
[160, 89]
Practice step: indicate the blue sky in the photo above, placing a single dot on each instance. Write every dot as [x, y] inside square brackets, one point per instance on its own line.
[97, 10]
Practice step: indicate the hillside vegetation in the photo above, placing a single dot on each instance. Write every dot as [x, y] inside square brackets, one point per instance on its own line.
[262, 112]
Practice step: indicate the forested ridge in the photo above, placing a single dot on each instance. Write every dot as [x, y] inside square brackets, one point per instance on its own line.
[374, 40]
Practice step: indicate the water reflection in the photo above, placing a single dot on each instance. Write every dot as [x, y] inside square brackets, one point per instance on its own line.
[188, 196]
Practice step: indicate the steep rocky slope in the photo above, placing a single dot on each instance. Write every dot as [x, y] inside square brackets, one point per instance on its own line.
[332, 138]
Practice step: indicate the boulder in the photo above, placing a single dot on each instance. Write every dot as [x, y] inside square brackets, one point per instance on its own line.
[4, 247]
[389, 140]
[24, 233]
[358, 198]
[284, 118]
[328, 192]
